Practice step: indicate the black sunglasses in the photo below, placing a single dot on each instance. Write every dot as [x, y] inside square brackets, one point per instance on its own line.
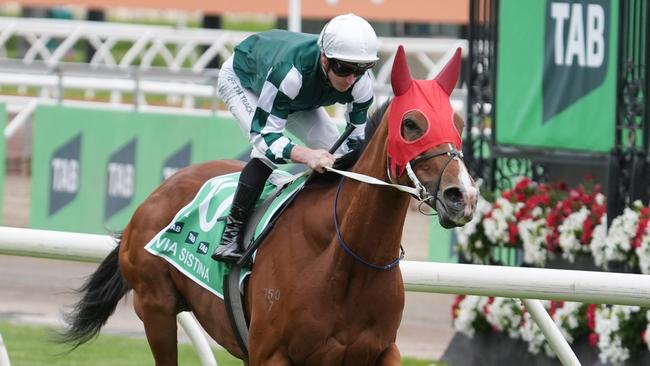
[343, 69]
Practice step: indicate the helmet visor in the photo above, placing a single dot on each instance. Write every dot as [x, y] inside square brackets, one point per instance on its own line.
[342, 68]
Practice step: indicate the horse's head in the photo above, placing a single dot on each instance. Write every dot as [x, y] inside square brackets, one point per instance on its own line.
[424, 141]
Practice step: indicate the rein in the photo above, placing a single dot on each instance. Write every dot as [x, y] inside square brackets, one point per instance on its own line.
[346, 249]
[419, 192]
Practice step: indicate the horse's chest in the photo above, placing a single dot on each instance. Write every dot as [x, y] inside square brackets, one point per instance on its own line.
[359, 349]
[344, 336]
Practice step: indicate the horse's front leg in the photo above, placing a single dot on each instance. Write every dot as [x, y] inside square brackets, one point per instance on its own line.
[390, 356]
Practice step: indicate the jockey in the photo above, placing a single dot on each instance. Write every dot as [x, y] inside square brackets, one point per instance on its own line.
[279, 80]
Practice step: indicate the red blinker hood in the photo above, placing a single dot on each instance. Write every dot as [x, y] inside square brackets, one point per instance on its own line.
[431, 98]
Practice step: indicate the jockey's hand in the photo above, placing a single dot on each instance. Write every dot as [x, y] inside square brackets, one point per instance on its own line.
[316, 159]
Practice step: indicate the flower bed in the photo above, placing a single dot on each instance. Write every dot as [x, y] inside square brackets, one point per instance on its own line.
[617, 331]
[549, 222]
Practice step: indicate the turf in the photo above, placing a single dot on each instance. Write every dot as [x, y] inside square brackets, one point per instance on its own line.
[33, 346]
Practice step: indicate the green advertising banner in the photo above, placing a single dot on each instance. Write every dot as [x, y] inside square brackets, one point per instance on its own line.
[556, 74]
[91, 168]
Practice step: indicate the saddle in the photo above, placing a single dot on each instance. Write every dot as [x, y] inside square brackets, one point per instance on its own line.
[233, 297]
[185, 242]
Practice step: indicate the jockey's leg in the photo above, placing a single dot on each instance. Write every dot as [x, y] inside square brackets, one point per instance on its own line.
[251, 184]
[242, 103]
[315, 128]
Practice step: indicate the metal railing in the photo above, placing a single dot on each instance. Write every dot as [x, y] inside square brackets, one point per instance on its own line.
[529, 284]
[51, 56]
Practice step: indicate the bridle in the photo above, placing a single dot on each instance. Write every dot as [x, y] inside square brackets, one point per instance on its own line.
[423, 194]
[420, 193]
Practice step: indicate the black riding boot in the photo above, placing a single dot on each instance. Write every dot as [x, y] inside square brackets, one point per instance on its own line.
[251, 184]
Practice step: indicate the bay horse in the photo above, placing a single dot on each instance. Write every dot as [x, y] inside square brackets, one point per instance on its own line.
[320, 292]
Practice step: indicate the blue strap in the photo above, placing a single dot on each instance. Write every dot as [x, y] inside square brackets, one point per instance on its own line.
[346, 249]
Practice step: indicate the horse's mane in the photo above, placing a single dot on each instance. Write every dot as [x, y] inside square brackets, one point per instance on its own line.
[347, 161]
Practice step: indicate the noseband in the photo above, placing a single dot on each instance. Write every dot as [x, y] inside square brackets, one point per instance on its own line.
[422, 194]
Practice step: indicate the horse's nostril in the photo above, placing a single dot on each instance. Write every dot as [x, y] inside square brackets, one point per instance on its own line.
[454, 196]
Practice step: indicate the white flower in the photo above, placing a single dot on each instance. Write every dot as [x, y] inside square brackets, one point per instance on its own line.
[599, 242]
[496, 226]
[533, 236]
[610, 343]
[566, 318]
[464, 234]
[468, 309]
[619, 237]
[532, 334]
[504, 314]
[570, 231]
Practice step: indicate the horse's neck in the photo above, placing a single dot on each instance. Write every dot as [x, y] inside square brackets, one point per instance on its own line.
[372, 217]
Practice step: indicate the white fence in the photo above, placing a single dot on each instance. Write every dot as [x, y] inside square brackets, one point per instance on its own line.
[141, 60]
[465, 279]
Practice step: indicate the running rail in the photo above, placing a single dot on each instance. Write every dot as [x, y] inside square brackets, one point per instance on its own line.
[146, 60]
[528, 284]
[84, 247]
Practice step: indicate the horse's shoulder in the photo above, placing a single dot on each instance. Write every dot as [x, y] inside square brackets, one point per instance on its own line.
[204, 171]
[213, 168]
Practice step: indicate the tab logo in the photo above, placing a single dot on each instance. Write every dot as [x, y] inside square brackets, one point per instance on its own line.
[176, 227]
[120, 179]
[65, 174]
[191, 237]
[202, 248]
[577, 45]
[178, 160]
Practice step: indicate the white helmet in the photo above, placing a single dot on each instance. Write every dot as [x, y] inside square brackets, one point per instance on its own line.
[349, 38]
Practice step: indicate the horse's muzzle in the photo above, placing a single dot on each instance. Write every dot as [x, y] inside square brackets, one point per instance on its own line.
[455, 207]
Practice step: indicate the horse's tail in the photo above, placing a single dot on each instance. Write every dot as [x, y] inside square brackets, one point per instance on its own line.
[100, 295]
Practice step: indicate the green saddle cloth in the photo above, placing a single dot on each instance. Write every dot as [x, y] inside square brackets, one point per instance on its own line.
[189, 240]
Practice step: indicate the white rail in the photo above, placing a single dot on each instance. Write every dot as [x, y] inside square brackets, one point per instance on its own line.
[89, 247]
[160, 60]
[529, 283]
[467, 279]
[4, 355]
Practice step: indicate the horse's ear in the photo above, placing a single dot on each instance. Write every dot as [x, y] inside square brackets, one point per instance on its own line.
[400, 76]
[448, 76]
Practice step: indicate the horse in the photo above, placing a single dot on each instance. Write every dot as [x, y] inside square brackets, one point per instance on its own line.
[326, 288]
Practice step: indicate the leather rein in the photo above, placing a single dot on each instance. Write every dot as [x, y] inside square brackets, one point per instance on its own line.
[420, 193]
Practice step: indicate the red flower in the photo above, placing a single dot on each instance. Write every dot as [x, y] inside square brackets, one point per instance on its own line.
[523, 184]
[486, 309]
[512, 233]
[593, 339]
[456, 306]
[587, 230]
[554, 306]
[591, 316]
[640, 230]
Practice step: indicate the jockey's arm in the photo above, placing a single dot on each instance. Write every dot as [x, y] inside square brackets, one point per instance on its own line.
[317, 159]
[357, 111]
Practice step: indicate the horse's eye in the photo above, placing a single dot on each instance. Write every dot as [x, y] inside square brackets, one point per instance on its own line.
[410, 125]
